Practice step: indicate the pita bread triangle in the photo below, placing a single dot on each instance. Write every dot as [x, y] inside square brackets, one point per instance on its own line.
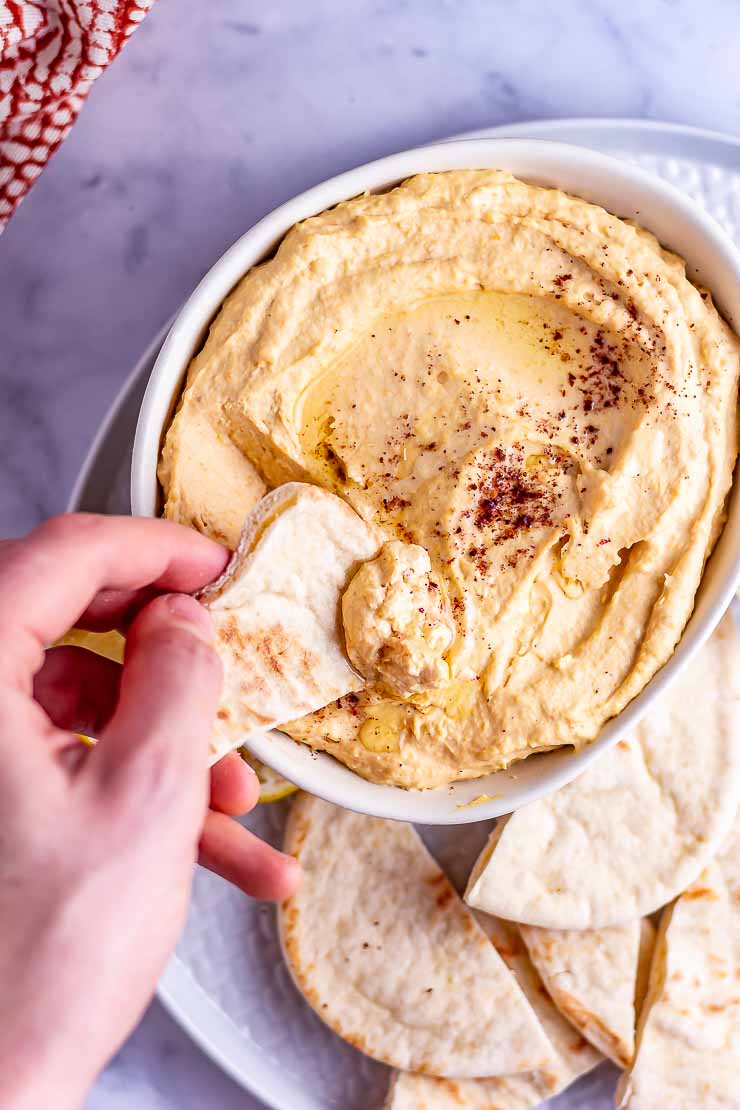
[276, 611]
[381, 946]
[591, 977]
[573, 1057]
[688, 1050]
[639, 825]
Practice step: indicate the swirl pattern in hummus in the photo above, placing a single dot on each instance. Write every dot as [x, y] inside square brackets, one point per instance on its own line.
[518, 381]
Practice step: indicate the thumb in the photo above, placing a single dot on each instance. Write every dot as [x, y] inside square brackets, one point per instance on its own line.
[159, 733]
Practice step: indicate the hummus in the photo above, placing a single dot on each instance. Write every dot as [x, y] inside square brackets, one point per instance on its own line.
[396, 621]
[524, 385]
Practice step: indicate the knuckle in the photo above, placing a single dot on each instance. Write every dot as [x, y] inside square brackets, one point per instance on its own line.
[156, 780]
[190, 644]
[164, 777]
[151, 779]
[186, 649]
[144, 789]
[203, 659]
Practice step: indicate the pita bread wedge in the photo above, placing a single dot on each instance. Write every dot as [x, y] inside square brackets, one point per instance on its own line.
[639, 825]
[572, 1056]
[276, 610]
[688, 1049]
[591, 976]
[381, 946]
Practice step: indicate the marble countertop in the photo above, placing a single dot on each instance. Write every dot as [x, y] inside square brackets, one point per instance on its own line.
[214, 114]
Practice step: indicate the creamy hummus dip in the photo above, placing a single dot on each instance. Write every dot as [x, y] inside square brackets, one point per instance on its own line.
[522, 384]
[397, 624]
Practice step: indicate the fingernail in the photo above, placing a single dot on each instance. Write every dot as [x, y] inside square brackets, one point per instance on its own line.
[186, 610]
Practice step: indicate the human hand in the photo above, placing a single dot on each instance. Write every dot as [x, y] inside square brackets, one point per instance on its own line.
[97, 845]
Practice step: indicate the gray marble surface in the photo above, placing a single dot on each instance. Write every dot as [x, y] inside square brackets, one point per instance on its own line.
[214, 114]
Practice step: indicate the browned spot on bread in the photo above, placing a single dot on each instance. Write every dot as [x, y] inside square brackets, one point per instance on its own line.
[254, 687]
[584, 1019]
[308, 665]
[508, 950]
[545, 946]
[230, 634]
[550, 1080]
[297, 830]
[278, 653]
[445, 897]
[357, 1042]
[453, 1090]
[271, 648]
[310, 993]
[468, 924]
[450, 1087]
[290, 913]
[268, 660]
[701, 892]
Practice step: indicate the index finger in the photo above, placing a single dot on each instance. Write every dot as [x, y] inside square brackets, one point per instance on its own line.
[48, 579]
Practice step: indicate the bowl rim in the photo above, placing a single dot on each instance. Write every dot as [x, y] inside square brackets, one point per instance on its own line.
[550, 160]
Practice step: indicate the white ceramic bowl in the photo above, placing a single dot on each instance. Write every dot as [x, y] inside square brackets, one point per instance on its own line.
[621, 188]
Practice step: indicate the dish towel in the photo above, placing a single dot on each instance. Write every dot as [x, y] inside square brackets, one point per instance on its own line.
[51, 51]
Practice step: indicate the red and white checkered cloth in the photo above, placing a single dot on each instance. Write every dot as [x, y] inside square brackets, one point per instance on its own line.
[51, 51]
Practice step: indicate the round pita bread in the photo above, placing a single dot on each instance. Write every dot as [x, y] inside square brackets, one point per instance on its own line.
[383, 949]
[639, 825]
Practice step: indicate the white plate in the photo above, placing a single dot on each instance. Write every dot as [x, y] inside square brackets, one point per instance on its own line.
[227, 985]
